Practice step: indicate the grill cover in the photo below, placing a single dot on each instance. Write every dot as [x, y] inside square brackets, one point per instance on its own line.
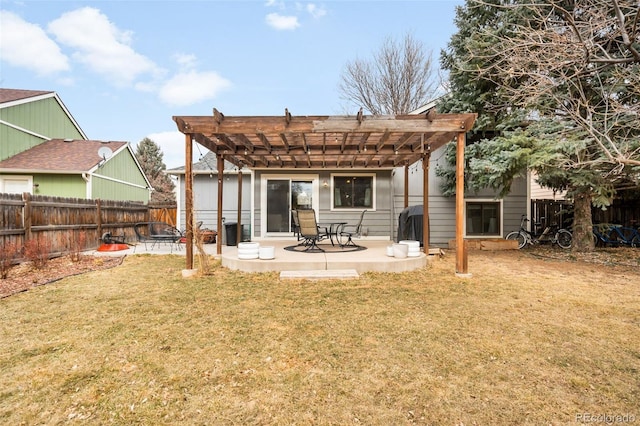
[410, 224]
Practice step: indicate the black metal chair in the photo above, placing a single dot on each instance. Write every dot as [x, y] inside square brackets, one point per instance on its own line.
[309, 230]
[349, 231]
[157, 233]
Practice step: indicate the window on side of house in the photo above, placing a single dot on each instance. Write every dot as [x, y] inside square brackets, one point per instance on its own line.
[16, 184]
[483, 218]
[353, 191]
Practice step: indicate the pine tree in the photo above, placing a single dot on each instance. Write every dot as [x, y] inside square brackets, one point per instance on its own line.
[560, 83]
[150, 157]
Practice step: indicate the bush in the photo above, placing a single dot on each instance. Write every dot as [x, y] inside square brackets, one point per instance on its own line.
[37, 251]
[8, 252]
[76, 245]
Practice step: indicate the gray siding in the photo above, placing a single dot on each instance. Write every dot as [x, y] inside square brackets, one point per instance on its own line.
[205, 203]
[377, 223]
[442, 218]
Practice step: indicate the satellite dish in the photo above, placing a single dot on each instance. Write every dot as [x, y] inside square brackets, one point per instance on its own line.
[105, 152]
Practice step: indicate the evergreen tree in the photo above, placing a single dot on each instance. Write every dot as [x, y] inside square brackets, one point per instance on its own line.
[558, 81]
[149, 155]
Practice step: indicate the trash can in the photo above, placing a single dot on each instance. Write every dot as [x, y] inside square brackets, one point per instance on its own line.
[231, 232]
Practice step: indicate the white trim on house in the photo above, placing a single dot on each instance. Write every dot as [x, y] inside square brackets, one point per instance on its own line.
[500, 227]
[119, 181]
[373, 177]
[23, 130]
[315, 197]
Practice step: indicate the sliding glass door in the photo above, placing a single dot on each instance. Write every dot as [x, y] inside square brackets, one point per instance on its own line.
[282, 194]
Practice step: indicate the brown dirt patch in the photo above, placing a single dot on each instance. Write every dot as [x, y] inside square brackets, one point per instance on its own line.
[25, 276]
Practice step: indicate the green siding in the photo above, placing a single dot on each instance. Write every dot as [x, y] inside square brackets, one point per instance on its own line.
[13, 142]
[122, 167]
[45, 117]
[109, 190]
[60, 185]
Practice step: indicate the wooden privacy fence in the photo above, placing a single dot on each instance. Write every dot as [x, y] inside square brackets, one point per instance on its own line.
[624, 212]
[547, 212]
[69, 224]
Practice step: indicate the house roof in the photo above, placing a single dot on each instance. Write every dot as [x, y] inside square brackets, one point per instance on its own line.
[324, 141]
[10, 95]
[60, 156]
[208, 163]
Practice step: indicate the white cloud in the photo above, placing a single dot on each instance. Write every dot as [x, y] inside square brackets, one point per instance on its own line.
[172, 146]
[281, 22]
[101, 46]
[26, 45]
[185, 60]
[315, 11]
[191, 87]
[275, 3]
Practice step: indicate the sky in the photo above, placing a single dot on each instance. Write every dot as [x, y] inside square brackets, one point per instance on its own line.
[123, 69]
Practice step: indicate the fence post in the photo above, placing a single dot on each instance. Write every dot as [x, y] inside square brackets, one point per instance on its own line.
[99, 217]
[26, 197]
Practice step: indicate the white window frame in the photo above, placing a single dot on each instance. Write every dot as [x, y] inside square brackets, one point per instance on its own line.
[373, 177]
[315, 185]
[485, 201]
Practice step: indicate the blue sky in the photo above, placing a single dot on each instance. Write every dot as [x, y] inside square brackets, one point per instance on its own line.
[124, 68]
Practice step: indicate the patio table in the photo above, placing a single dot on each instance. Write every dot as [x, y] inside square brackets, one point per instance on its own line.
[333, 228]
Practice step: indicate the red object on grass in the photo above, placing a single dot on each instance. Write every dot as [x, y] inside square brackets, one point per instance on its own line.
[113, 247]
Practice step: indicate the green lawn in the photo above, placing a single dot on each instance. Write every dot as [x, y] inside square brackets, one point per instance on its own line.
[526, 340]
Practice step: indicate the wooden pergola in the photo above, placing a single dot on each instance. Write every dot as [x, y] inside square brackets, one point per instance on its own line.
[326, 142]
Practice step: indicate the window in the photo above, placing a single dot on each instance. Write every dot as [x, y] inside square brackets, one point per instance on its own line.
[483, 218]
[353, 191]
[16, 184]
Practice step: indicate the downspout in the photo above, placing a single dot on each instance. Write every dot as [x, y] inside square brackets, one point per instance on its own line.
[88, 190]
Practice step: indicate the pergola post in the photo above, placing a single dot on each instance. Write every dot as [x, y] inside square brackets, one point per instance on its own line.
[220, 167]
[188, 199]
[425, 201]
[406, 186]
[461, 248]
[239, 230]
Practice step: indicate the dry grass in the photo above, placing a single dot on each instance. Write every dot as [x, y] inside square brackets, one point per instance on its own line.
[527, 340]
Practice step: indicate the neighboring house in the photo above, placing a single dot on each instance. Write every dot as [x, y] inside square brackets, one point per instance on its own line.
[76, 169]
[44, 151]
[541, 193]
[30, 117]
[205, 189]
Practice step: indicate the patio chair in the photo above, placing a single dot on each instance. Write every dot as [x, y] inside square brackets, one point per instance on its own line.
[296, 224]
[157, 233]
[309, 230]
[349, 231]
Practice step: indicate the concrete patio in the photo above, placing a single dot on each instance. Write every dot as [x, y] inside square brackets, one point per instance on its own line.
[373, 259]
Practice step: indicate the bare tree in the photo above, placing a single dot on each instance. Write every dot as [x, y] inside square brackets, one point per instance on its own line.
[398, 80]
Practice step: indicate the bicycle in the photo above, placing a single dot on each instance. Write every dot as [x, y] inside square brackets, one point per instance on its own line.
[550, 234]
[615, 235]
